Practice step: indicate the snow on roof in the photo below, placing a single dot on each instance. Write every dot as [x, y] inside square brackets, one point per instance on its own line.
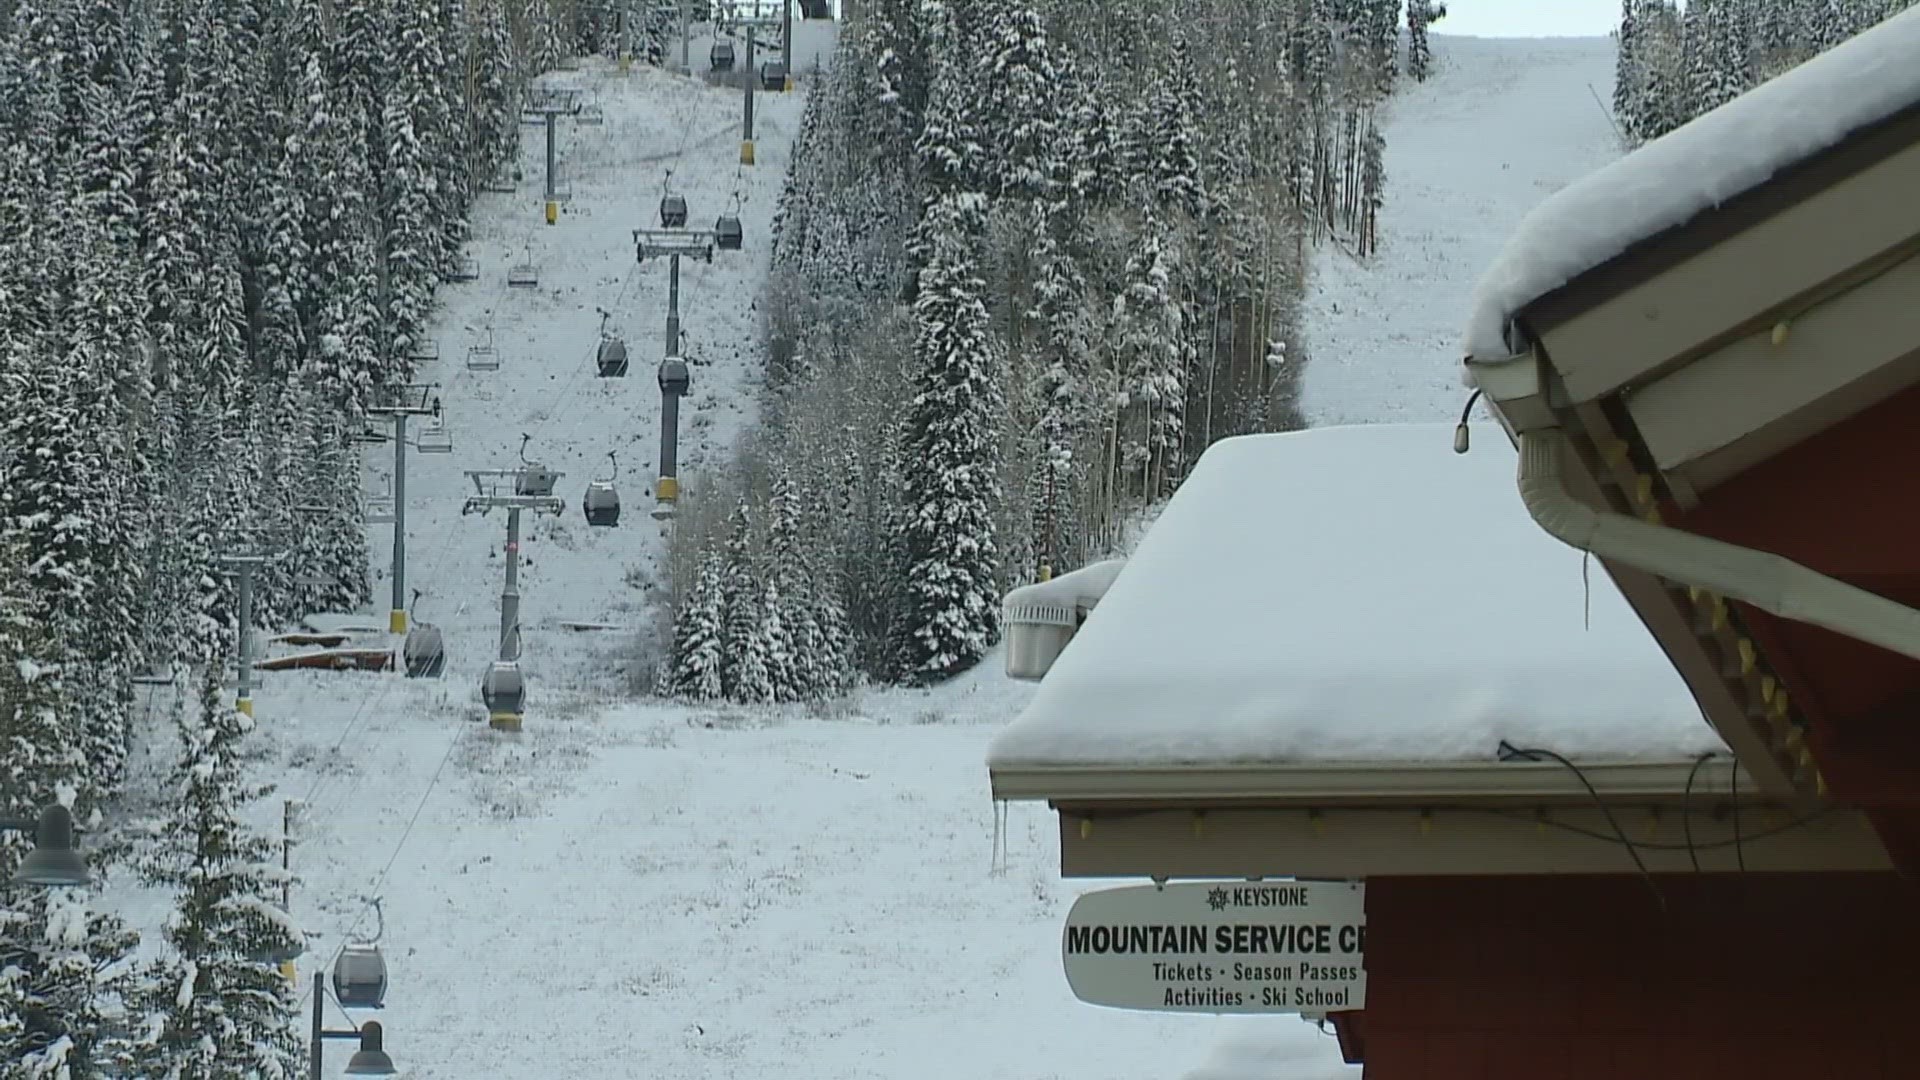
[1354, 594]
[1698, 166]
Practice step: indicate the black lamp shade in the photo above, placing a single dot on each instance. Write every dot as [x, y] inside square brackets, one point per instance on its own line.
[53, 861]
[371, 1059]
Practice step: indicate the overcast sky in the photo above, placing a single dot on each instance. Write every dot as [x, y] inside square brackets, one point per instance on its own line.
[1529, 18]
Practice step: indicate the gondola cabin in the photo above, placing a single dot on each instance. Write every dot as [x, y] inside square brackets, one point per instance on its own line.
[601, 504]
[425, 652]
[360, 977]
[503, 690]
[611, 358]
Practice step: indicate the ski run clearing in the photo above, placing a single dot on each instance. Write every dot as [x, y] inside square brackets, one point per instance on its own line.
[635, 889]
[1501, 125]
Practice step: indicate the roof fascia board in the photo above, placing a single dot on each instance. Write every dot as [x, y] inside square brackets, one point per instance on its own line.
[1383, 783]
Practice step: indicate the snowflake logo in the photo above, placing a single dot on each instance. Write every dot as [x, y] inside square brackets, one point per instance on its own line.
[1217, 899]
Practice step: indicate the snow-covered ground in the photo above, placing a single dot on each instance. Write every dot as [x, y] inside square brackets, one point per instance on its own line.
[1502, 124]
[625, 888]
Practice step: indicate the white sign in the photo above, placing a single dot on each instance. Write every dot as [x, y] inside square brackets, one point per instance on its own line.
[1220, 947]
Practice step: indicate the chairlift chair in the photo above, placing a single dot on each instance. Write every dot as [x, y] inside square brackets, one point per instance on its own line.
[524, 274]
[380, 509]
[423, 352]
[464, 268]
[673, 212]
[482, 356]
[720, 57]
[504, 182]
[590, 115]
[727, 233]
[601, 503]
[435, 438]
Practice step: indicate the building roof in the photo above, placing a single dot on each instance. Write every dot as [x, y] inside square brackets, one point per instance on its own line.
[1354, 595]
[1696, 167]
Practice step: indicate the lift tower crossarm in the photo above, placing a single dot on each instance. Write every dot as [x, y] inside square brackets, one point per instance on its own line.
[660, 243]
[413, 399]
[540, 504]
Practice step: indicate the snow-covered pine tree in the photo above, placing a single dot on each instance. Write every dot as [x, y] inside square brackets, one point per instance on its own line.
[744, 667]
[60, 1002]
[1420, 15]
[548, 45]
[55, 955]
[414, 110]
[1060, 303]
[495, 124]
[1165, 162]
[783, 677]
[1020, 119]
[1711, 80]
[1629, 73]
[950, 487]
[358, 65]
[222, 1007]
[807, 669]
[657, 32]
[282, 265]
[790, 208]
[1373, 184]
[1149, 342]
[1662, 58]
[56, 494]
[455, 181]
[699, 626]
[339, 315]
[332, 543]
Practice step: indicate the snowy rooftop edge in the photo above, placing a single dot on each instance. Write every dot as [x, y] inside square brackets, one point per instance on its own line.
[1249, 627]
[1698, 166]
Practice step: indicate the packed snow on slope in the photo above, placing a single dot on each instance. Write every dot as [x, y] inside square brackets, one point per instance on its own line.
[1696, 167]
[1499, 126]
[1355, 594]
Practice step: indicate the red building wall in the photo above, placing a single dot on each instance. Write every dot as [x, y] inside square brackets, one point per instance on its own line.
[1748, 976]
[1831, 503]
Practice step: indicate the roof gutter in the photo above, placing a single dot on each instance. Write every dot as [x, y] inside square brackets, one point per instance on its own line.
[1772, 583]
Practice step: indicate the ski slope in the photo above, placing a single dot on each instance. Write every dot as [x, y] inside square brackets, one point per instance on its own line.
[629, 888]
[1500, 125]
